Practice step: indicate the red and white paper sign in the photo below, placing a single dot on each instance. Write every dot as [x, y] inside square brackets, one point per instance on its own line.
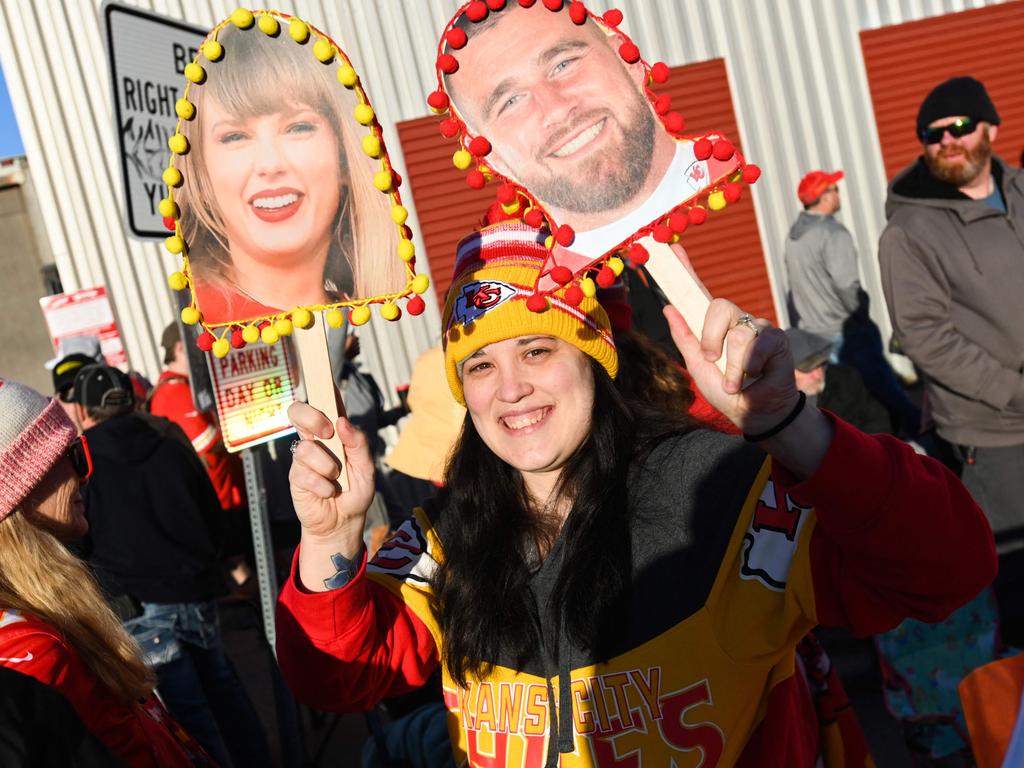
[86, 312]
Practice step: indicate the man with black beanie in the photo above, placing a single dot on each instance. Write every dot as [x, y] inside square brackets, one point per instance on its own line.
[952, 259]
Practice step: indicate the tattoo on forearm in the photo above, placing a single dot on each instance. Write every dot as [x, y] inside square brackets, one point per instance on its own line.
[345, 570]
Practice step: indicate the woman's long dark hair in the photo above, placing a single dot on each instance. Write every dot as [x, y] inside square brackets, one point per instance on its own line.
[490, 535]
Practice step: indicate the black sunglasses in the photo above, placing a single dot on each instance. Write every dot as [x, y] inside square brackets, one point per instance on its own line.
[81, 459]
[961, 127]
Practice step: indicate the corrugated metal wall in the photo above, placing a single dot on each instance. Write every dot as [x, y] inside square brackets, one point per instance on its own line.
[796, 69]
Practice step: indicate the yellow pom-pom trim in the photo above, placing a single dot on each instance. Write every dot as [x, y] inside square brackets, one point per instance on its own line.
[510, 208]
[589, 287]
[462, 159]
[251, 334]
[178, 144]
[168, 208]
[382, 180]
[716, 200]
[302, 318]
[221, 347]
[335, 318]
[190, 316]
[195, 73]
[359, 315]
[549, 242]
[406, 250]
[174, 244]
[323, 50]
[268, 26]
[371, 145]
[269, 335]
[172, 177]
[242, 18]
[299, 30]
[185, 109]
[363, 114]
[399, 214]
[283, 326]
[420, 283]
[615, 265]
[347, 76]
[390, 311]
[212, 50]
[177, 281]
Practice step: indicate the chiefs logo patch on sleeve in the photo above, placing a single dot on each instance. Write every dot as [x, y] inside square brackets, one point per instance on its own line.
[406, 555]
[772, 538]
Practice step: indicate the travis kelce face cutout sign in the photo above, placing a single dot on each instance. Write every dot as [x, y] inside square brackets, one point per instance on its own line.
[557, 105]
[281, 194]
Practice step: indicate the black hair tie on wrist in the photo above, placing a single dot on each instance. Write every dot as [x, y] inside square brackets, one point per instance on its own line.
[800, 403]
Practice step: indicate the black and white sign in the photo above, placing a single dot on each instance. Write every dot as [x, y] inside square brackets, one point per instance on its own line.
[147, 55]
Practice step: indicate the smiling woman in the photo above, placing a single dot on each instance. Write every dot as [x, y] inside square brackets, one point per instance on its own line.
[278, 206]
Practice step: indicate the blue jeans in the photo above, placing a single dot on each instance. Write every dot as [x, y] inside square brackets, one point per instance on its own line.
[196, 680]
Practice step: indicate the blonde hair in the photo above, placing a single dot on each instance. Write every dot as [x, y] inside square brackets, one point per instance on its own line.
[252, 80]
[42, 578]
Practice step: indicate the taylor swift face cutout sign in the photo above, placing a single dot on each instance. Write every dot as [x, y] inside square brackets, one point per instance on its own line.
[555, 102]
[281, 194]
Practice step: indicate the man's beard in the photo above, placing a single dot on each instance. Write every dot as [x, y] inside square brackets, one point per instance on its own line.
[962, 174]
[607, 180]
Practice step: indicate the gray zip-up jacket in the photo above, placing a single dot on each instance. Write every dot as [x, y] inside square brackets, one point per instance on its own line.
[821, 266]
[953, 275]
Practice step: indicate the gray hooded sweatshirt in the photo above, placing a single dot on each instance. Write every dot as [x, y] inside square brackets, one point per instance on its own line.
[821, 266]
[953, 275]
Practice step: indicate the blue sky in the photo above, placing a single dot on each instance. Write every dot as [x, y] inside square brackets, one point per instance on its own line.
[10, 139]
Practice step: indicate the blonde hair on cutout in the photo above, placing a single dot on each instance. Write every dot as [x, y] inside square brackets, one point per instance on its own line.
[260, 75]
[40, 577]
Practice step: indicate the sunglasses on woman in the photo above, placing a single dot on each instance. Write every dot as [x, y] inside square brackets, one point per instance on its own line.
[962, 127]
[81, 459]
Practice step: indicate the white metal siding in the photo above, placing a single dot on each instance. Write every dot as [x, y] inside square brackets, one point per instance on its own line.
[797, 77]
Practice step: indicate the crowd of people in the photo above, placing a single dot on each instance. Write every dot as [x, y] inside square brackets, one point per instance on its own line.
[615, 547]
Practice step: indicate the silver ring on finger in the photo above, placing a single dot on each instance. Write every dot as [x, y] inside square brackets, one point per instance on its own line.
[294, 445]
[747, 320]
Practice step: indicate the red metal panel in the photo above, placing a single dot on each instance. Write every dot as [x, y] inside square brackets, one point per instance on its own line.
[905, 61]
[726, 251]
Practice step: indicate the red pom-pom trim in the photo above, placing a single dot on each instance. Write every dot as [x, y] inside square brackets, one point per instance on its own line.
[679, 221]
[476, 11]
[606, 278]
[480, 146]
[456, 37]
[574, 295]
[659, 72]
[416, 305]
[396, 183]
[674, 122]
[702, 148]
[629, 53]
[662, 233]
[553, 5]
[751, 173]
[536, 303]
[534, 217]
[205, 341]
[476, 179]
[527, 3]
[564, 235]
[577, 12]
[448, 63]
[613, 17]
[638, 255]
[561, 275]
[438, 100]
[495, 5]
[169, 223]
[732, 192]
[698, 216]
[663, 104]
[236, 339]
[723, 149]
[449, 128]
[506, 194]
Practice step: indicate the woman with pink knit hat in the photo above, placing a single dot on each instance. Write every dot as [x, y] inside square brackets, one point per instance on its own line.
[54, 624]
[603, 582]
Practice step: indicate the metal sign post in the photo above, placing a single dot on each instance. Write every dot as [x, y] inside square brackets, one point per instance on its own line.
[263, 549]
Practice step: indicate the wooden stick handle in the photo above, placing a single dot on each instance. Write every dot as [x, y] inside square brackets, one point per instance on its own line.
[315, 364]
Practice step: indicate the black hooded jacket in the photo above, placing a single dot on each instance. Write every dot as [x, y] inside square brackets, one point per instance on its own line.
[155, 524]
